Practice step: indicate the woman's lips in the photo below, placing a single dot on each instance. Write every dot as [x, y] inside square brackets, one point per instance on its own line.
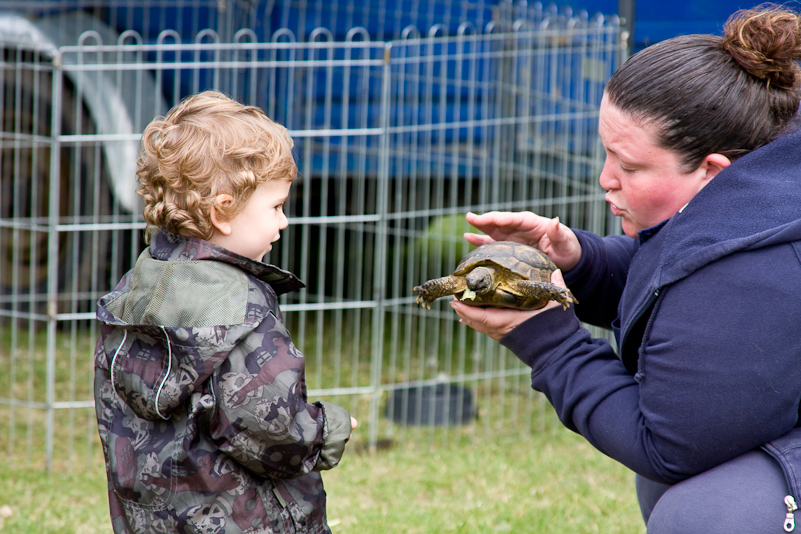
[617, 212]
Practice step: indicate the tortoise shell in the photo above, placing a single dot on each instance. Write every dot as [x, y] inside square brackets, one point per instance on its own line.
[516, 259]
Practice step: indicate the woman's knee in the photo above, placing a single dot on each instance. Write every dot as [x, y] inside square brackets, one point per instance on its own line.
[744, 495]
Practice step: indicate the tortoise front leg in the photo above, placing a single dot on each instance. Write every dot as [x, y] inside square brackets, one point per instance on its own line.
[546, 291]
[430, 291]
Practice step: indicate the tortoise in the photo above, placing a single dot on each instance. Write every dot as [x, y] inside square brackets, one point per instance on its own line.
[502, 274]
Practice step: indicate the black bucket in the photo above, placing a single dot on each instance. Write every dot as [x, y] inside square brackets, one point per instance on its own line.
[431, 405]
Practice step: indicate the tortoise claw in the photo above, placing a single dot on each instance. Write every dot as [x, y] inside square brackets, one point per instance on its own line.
[568, 299]
[422, 301]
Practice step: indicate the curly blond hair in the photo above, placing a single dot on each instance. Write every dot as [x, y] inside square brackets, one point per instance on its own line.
[208, 145]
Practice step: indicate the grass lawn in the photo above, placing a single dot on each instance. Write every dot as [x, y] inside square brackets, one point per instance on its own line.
[548, 483]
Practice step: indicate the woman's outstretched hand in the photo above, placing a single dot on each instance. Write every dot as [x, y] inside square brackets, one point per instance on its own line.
[549, 235]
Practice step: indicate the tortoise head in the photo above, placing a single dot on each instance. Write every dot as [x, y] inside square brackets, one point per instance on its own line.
[480, 280]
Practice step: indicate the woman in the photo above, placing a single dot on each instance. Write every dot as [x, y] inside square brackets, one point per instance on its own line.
[703, 166]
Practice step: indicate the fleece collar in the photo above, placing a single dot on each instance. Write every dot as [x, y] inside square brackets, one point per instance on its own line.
[167, 246]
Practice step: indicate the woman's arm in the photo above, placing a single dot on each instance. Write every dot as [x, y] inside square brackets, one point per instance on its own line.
[717, 376]
[599, 278]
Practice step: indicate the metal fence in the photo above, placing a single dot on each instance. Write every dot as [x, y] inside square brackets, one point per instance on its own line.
[405, 115]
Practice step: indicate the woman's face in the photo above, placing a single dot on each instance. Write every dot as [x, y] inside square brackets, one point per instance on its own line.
[645, 184]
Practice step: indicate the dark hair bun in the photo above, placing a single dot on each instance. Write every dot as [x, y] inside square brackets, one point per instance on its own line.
[766, 43]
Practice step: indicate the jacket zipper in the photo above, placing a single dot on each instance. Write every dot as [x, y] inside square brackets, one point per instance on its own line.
[789, 501]
[789, 521]
[640, 312]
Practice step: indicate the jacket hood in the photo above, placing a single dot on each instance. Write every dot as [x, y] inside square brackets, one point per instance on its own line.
[174, 319]
[167, 246]
[753, 203]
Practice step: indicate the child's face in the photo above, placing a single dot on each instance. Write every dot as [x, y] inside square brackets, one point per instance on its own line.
[256, 227]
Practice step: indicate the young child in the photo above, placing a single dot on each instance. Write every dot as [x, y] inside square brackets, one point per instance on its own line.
[200, 393]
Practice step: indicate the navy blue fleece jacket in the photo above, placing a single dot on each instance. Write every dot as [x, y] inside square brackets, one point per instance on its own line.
[706, 309]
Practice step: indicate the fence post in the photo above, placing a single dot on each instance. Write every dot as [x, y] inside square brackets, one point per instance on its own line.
[379, 287]
[626, 10]
[52, 252]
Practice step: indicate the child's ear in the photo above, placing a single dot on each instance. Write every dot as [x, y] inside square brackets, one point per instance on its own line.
[220, 203]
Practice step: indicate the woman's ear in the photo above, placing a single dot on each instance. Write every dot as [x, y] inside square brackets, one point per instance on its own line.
[220, 203]
[713, 164]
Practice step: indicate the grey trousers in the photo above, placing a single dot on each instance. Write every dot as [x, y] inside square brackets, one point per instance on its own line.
[743, 496]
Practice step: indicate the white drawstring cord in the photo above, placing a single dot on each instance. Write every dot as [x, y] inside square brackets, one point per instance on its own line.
[114, 359]
[169, 367]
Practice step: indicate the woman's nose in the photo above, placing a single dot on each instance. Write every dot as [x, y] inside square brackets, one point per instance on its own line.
[607, 179]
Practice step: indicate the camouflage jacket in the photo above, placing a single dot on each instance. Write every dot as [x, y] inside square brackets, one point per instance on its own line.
[201, 399]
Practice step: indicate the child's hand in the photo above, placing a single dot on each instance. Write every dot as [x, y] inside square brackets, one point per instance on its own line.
[353, 423]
